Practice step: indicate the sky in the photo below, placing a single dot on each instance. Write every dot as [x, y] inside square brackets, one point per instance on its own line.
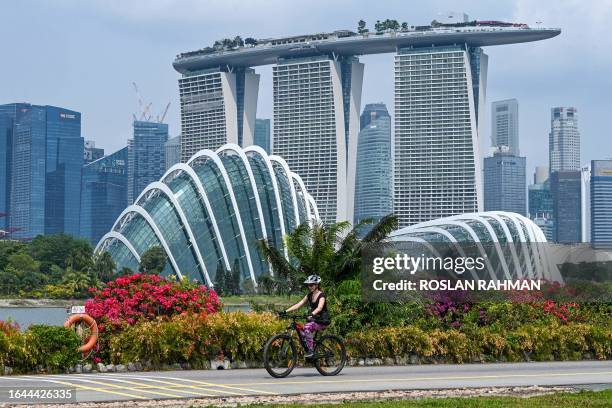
[84, 55]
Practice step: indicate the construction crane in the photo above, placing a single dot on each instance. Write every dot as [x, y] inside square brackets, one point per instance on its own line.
[144, 110]
[160, 118]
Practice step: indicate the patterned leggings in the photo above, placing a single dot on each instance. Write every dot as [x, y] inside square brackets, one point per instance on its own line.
[308, 332]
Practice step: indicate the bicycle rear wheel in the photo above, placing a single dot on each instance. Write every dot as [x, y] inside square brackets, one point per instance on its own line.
[280, 355]
[329, 355]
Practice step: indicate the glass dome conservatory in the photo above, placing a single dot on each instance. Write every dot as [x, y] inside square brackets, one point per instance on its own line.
[514, 246]
[210, 212]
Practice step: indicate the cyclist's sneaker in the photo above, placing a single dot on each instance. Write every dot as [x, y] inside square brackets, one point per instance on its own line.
[309, 354]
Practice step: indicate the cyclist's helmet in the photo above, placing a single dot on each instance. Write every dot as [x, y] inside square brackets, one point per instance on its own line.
[316, 279]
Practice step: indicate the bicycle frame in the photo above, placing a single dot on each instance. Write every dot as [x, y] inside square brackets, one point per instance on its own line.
[295, 327]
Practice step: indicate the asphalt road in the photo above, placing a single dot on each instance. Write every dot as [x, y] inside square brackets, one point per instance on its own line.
[229, 383]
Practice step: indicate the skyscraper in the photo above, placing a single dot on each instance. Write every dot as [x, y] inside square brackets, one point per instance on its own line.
[504, 125]
[566, 189]
[8, 114]
[316, 125]
[262, 135]
[564, 139]
[439, 98]
[504, 183]
[147, 156]
[92, 152]
[601, 204]
[45, 169]
[217, 107]
[173, 151]
[540, 201]
[103, 194]
[374, 183]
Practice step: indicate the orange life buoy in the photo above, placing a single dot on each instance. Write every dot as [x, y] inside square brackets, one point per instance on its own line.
[91, 324]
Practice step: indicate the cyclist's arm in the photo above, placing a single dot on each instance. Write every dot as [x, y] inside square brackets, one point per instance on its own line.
[320, 305]
[297, 305]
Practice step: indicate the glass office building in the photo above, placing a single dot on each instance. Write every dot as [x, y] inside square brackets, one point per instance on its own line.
[148, 155]
[263, 135]
[374, 180]
[566, 197]
[46, 157]
[504, 183]
[601, 204]
[210, 212]
[103, 194]
[173, 151]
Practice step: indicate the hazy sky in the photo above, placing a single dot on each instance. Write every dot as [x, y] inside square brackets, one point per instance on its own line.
[84, 55]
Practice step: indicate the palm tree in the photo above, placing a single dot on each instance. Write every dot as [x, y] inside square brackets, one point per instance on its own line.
[332, 251]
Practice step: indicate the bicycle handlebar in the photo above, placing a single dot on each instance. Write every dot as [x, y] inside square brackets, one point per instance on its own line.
[292, 316]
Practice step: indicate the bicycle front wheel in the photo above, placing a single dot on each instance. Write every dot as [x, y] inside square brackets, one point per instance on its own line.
[329, 355]
[280, 355]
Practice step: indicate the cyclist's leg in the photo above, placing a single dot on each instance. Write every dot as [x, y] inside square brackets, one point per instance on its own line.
[308, 335]
[309, 329]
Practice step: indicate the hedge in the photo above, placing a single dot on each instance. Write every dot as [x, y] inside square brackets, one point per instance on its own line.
[194, 339]
[240, 336]
[40, 348]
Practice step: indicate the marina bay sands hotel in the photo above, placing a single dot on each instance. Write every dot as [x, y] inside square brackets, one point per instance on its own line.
[440, 83]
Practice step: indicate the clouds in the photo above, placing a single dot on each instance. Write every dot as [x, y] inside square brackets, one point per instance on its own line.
[84, 55]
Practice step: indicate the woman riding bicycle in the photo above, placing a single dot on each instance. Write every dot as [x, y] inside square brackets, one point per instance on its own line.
[318, 318]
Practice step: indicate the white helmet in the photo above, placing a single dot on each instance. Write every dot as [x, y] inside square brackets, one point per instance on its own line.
[313, 279]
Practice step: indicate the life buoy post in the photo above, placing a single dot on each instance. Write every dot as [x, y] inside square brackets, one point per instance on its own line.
[91, 324]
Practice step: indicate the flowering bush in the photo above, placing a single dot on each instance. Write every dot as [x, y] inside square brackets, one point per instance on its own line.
[449, 307]
[130, 299]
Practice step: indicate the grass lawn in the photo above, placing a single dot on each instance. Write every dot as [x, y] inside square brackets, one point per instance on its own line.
[579, 399]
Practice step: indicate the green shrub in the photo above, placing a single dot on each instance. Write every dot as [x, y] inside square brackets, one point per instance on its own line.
[53, 347]
[194, 339]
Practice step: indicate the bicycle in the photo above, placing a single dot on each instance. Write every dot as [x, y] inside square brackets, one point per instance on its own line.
[280, 352]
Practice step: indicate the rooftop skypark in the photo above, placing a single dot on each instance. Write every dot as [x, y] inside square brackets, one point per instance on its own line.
[387, 36]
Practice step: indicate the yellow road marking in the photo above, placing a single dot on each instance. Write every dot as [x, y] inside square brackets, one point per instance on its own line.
[85, 387]
[176, 385]
[223, 385]
[416, 379]
[129, 388]
[141, 386]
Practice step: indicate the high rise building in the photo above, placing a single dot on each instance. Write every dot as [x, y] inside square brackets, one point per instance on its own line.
[585, 202]
[8, 114]
[504, 125]
[92, 152]
[601, 204]
[374, 182]
[45, 169]
[316, 125]
[439, 98]
[540, 207]
[262, 135]
[504, 183]
[147, 151]
[103, 194]
[173, 151]
[565, 186]
[564, 139]
[217, 107]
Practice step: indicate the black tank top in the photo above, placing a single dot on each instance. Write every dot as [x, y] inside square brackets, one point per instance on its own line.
[323, 316]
